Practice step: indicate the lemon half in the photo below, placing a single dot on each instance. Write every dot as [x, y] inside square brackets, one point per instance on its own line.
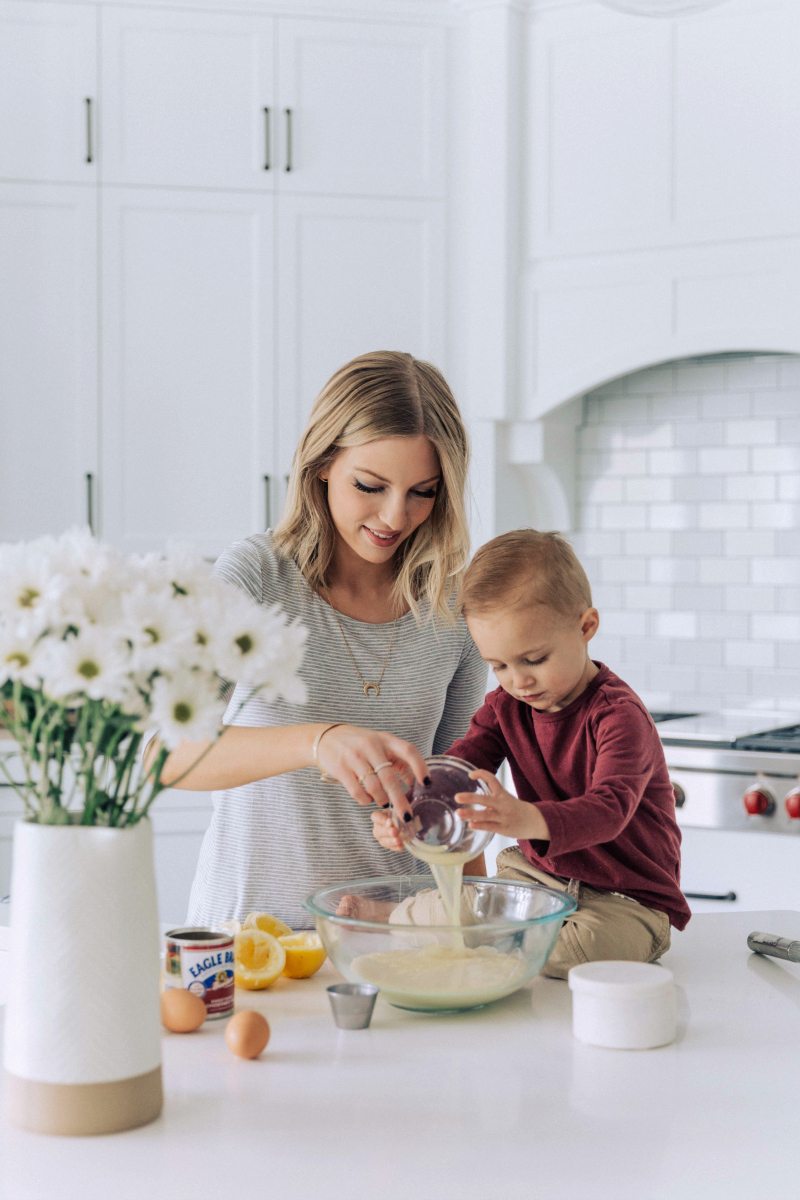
[305, 954]
[266, 922]
[259, 959]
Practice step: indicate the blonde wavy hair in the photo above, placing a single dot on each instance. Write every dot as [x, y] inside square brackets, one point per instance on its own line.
[380, 395]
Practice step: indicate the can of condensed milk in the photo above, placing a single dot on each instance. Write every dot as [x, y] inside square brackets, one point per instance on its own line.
[201, 960]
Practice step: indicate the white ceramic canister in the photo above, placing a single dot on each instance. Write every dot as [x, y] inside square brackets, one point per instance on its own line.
[623, 1005]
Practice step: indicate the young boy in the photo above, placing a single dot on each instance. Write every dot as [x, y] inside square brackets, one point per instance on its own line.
[594, 813]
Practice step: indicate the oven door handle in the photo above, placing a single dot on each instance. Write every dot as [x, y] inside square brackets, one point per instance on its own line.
[730, 897]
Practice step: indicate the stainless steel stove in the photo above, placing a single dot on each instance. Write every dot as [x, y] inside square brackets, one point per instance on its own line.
[734, 770]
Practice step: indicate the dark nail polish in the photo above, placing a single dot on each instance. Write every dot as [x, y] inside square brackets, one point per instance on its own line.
[427, 781]
[388, 804]
[407, 817]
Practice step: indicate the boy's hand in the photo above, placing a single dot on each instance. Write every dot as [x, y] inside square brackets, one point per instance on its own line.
[500, 812]
[385, 831]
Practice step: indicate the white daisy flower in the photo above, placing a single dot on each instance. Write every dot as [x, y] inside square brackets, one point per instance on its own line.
[30, 591]
[90, 665]
[185, 706]
[157, 629]
[19, 655]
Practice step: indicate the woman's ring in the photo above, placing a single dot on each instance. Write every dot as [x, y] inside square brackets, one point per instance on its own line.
[361, 778]
[380, 766]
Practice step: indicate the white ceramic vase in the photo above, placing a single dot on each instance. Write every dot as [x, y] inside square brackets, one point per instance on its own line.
[82, 1047]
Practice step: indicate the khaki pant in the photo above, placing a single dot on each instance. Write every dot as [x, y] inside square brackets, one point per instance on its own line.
[605, 925]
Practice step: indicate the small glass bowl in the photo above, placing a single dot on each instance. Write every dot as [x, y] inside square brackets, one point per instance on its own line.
[436, 829]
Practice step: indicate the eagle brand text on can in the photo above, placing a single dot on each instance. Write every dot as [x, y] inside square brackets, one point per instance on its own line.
[201, 960]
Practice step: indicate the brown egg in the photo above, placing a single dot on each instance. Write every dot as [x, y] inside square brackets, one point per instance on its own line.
[247, 1033]
[181, 1011]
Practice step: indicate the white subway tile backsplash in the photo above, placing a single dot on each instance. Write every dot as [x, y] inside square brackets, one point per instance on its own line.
[751, 433]
[751, 487]
[673, 516]
[724, 570]
[774, 516]
[646, 490]
[724, 626]
[624, 623]
[750, 654]
[699, 654]
[751, 599]
[776, 404]
[699, 543]
[699, 487]
[671, 462]
[724, 461]
[724, 516]
[776, 458]
[697, 376]
[622, 569]
[699, 433]
[647, 543]
[674, 570]
[676, 624]
[675, 408]
[760, 371]
[689, 509]
[779, 626]
[776, 571]
[746, 544]
[622, 516]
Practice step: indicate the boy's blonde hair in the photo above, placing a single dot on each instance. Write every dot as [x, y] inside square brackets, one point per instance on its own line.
[380, 395]
[526, 567]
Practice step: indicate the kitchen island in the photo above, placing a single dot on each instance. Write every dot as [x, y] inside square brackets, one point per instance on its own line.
[490, 1104]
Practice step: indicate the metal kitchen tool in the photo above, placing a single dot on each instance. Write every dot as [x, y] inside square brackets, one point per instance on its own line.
[352, 1004]
[777, 947]
[435, 827]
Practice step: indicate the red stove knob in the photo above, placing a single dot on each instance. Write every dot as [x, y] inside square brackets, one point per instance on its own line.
[792, 802]
[759, 801]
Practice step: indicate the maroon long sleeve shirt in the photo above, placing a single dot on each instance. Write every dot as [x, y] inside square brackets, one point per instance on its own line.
[596, 770]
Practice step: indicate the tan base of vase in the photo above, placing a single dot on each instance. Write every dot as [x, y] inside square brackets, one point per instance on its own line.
[83, 1108]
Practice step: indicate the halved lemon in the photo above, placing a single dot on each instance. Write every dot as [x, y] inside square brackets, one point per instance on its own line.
[305, 954]
[267, 923]
[259, 959]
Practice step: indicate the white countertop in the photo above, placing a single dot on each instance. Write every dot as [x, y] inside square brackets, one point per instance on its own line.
[480, 1106]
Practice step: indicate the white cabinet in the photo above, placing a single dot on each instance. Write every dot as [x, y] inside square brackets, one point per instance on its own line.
[353, 275]
[48, 357]
[189, 447]
[48, 91]
[364, 105]
[188, 98]
[270, 202]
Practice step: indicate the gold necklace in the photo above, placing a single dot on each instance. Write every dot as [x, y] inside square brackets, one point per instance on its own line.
[370, 687]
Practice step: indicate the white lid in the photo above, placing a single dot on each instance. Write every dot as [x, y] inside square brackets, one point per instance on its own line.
[612, 978]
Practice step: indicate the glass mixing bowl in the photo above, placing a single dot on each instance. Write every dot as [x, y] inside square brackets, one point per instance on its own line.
[391, 932]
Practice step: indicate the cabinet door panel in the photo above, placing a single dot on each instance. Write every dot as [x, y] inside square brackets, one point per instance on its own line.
[47, 72]
[353, 276]
[367, 104]
[48, 356]
[187, 367]
[184, 95]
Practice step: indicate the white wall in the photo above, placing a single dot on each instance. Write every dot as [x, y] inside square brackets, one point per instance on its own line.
[688, 523]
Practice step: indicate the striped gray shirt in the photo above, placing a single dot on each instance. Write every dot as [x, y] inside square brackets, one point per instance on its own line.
[272, 843]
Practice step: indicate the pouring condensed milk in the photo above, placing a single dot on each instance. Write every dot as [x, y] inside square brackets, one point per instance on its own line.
[442, 971]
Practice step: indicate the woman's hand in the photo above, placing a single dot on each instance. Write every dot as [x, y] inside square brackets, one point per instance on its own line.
[375, 768]
[385, 831]
[501, 812]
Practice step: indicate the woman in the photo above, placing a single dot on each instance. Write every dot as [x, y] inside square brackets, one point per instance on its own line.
[368, 558]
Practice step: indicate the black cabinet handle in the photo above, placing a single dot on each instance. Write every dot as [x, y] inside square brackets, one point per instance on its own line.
[89, 138]
[289, 150]
[267, 501]
[90, 501]
[267, 141]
